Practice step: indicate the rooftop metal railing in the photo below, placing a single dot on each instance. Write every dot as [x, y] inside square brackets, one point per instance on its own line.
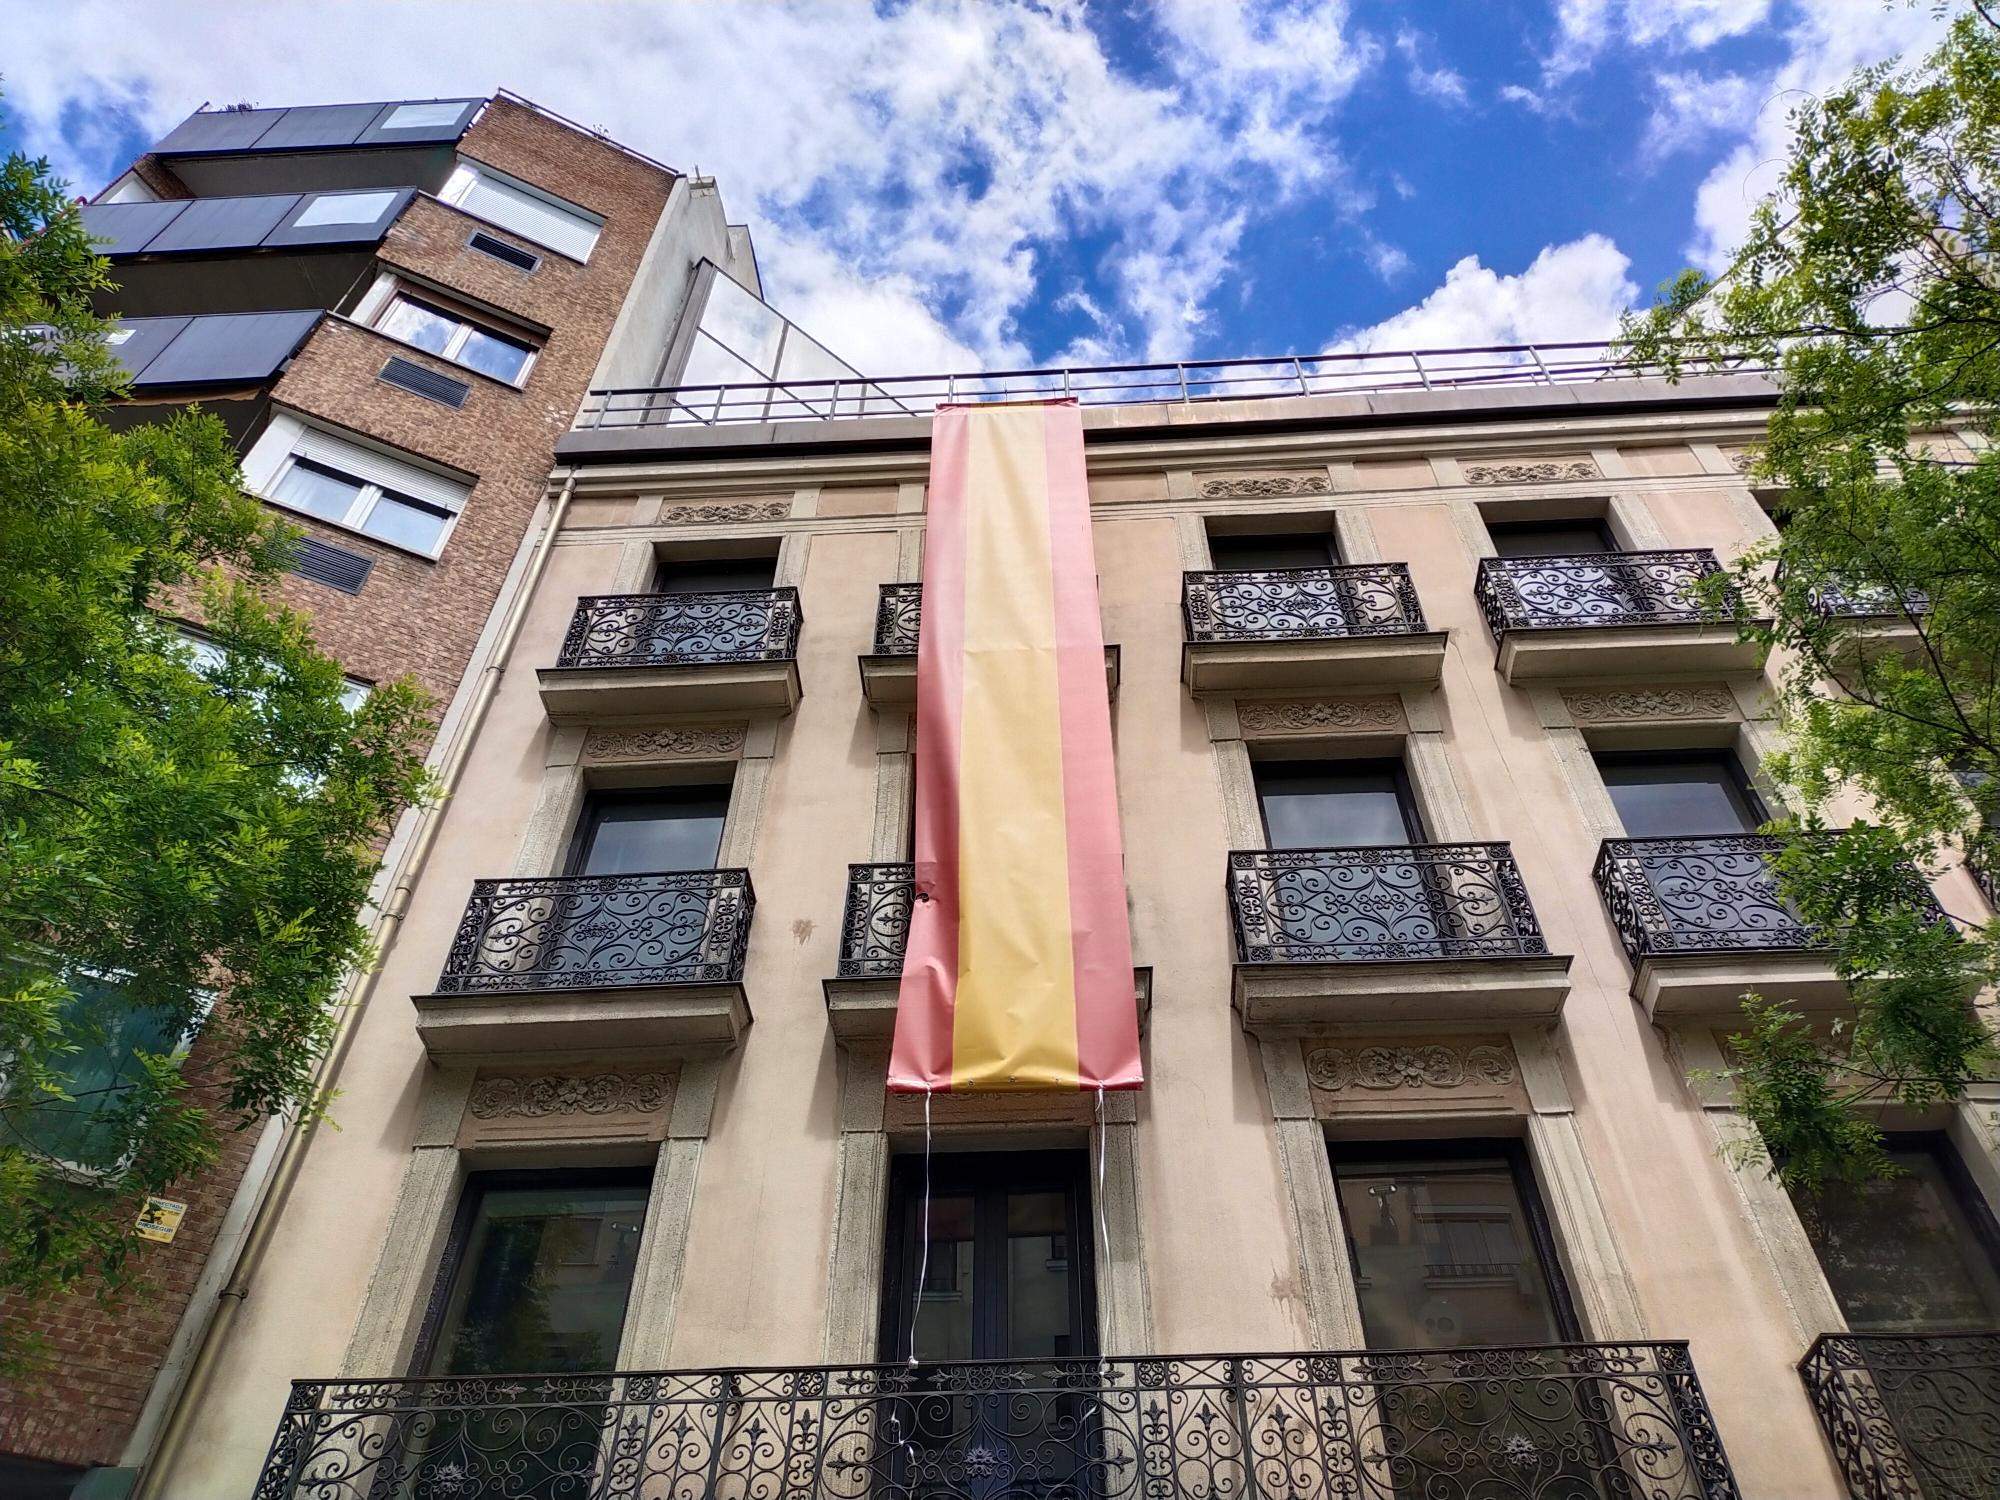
[1179, 382]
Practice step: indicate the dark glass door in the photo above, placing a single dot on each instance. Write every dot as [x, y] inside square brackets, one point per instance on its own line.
[1396, 903]
[1680, 794]
[1570, 589]
[534, 1282]
[661, 829]
[1274, 552]
[1336, 804]
[1451, 1250]
[715, 576]
[992, 1263]
[1913, 1253]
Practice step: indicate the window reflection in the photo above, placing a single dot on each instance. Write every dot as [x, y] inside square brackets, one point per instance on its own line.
[1913, 1253]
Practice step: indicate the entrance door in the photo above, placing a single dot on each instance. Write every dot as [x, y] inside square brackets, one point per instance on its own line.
[993, 1264]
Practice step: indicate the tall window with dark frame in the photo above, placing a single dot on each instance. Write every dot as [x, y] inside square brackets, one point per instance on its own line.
[1451, 1249]
[535, 1280]
[651, 831]
[1583, 537]
[1917, 1252]
[1328, 804]
[1257, 552]
[1680, 793]
[715, 575]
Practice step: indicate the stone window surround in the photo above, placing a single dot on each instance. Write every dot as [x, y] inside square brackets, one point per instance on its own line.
[1735, 715]
[1406, 721]
[576, 759]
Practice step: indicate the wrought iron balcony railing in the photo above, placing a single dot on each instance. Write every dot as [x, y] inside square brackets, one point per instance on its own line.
[1709, 894]
[1594, 590]
[899, 615]
[570, 932]
[672, 630]
[1523, 1423]
[1421, 901]
[1910, 1416]
[1294, 604]
[875, 921]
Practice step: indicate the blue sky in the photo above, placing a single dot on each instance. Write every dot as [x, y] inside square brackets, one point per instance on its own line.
[952, 183]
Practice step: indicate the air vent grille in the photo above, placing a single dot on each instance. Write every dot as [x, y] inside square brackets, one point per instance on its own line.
[419, 381]
[499, 249]
[333, 566]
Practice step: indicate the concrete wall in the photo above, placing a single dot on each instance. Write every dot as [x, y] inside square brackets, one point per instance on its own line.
[1656, 1231]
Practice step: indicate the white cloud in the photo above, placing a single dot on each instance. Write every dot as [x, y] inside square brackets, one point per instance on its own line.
[906, 172]
[1827, 41]
[1570, 291]
[1442, 83]
[1689, 109]
[1586, 27]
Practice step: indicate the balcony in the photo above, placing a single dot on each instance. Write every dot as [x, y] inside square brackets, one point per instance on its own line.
[639, 655]
[401, 142]
[1305, 629]
[1619, 614]
[1910, 1416]
[269, 251]
[1438, 933]
[874, 931]
[1703, 920]
[1523, 1423]
[889, 671]
[576, 963]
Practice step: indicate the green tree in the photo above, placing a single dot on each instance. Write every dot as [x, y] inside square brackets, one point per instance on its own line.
[187, 834]
[1869, 283]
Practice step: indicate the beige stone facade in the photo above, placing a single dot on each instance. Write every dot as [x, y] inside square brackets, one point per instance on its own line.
[1219, 1226]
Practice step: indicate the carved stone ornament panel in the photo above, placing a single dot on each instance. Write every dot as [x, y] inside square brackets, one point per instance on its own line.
[1543, 472]
[1280, 716]
[680, 742]
[1263, 486]
[557, 1094]
[1741, 459]
[726, 510]
[1425, 1065]
[1641, 705]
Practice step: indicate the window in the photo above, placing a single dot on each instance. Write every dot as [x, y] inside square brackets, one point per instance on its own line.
[641, 833]
[354, 486]
[716, 575]
[1449, 1246]
[111, 1037]
[343, 208]
[1550, 538]
[1336, 804]
[526, 211]
[1914, 1253]
[1285, 550]
[1686, 794]
[987, 1273]
[538, 1275]
[450, 336]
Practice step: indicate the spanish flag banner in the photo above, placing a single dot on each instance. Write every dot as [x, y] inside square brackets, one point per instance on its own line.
[1018, 973]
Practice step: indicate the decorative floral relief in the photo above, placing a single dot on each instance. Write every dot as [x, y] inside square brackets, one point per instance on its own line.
[739, 510]
[665, 744]
[1263, 486]
[568, 1094]
[1278, 714]
[1591, 707]
[1434, 1066]
[1534, 473]
[1741, 459]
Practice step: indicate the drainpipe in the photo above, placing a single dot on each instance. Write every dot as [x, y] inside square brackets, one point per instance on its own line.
[270, 1194]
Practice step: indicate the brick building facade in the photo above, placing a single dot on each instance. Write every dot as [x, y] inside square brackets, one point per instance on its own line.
[382, 607]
